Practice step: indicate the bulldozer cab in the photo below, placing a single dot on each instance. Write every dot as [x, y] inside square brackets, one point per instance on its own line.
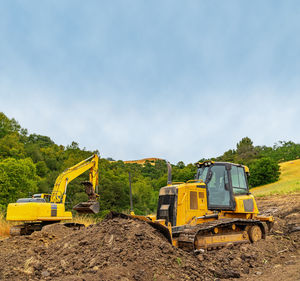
[223, 181]
[215, 188]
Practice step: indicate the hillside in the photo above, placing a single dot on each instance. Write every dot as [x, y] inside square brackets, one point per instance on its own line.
[30, 163]
[289, 181]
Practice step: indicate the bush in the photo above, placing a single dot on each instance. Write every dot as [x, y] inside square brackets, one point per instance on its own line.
[263, 171]
[17, 179]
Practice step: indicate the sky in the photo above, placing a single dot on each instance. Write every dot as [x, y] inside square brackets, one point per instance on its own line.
[178, 80]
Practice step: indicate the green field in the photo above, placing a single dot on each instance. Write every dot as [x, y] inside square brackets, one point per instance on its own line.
[289, 181]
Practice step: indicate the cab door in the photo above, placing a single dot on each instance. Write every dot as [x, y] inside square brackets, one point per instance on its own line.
[218, 189]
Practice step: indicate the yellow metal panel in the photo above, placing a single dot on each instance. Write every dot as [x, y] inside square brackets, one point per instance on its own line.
[37, 212]
[216, 240]
[185, 215]
[181, 202]
[246, 169]
[239, 200]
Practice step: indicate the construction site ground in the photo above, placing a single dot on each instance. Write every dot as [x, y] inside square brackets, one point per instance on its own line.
[127, 249]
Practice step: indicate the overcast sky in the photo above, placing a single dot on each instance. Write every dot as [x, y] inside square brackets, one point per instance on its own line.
[180, 80]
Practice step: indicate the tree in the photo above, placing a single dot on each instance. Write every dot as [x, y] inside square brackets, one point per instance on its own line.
[228, 156]
[184, 174]
[8, 126]
[263, 171]
[41, 168]
[17, 179]
[10, 146]
[114, 191]
[245, 151]
[41, 141]
[144, 198]
[110, 159]
[285, 151]
[180, 165]
[74, 145]
[34, 152]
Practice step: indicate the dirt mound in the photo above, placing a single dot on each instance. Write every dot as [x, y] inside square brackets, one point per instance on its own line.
[115, 249]
[128, 249]
[16, 251]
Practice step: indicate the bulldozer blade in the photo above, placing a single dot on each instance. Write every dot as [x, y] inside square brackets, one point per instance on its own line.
[89, 207]
[159, 227]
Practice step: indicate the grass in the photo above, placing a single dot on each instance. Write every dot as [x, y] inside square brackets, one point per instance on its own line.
[179, 261]
[289, 181]
[84, 219]
[4, 226]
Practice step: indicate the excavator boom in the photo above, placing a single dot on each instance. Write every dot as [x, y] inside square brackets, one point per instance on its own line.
[59, 191]
[58, 194]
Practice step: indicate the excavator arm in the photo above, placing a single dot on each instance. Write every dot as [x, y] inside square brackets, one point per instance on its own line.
[59, 191]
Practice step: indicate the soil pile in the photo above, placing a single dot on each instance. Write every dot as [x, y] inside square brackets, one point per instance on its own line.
[115, 249]
[128, 249]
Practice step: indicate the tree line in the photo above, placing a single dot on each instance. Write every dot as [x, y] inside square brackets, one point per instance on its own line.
[30, 163]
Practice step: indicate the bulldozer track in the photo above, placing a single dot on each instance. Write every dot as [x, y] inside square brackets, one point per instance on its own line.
[186, 239]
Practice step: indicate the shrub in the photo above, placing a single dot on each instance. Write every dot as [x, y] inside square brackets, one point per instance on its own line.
[263, 171]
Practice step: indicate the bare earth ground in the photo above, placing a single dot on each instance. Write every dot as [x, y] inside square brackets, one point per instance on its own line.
[122, 249]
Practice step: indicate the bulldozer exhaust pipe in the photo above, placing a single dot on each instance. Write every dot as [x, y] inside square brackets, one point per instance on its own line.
[169, 182]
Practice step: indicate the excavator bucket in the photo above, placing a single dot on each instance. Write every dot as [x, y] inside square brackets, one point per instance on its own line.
[92, 205]
[89, 207]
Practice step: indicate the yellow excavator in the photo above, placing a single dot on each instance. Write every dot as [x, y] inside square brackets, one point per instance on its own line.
[43, 209]
[214, 210]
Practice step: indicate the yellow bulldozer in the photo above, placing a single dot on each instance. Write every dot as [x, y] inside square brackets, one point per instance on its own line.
[212, 211]
[43, 209]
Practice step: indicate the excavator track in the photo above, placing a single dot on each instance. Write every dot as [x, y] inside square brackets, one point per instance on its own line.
[219, 233]
[25, 229]
[29, 228]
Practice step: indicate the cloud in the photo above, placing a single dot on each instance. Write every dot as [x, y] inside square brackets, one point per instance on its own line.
[176, 81]
[206, 126]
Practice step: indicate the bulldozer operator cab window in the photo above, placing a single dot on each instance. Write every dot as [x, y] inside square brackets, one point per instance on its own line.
[218, 195]
[202, 173]
[239, 183]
